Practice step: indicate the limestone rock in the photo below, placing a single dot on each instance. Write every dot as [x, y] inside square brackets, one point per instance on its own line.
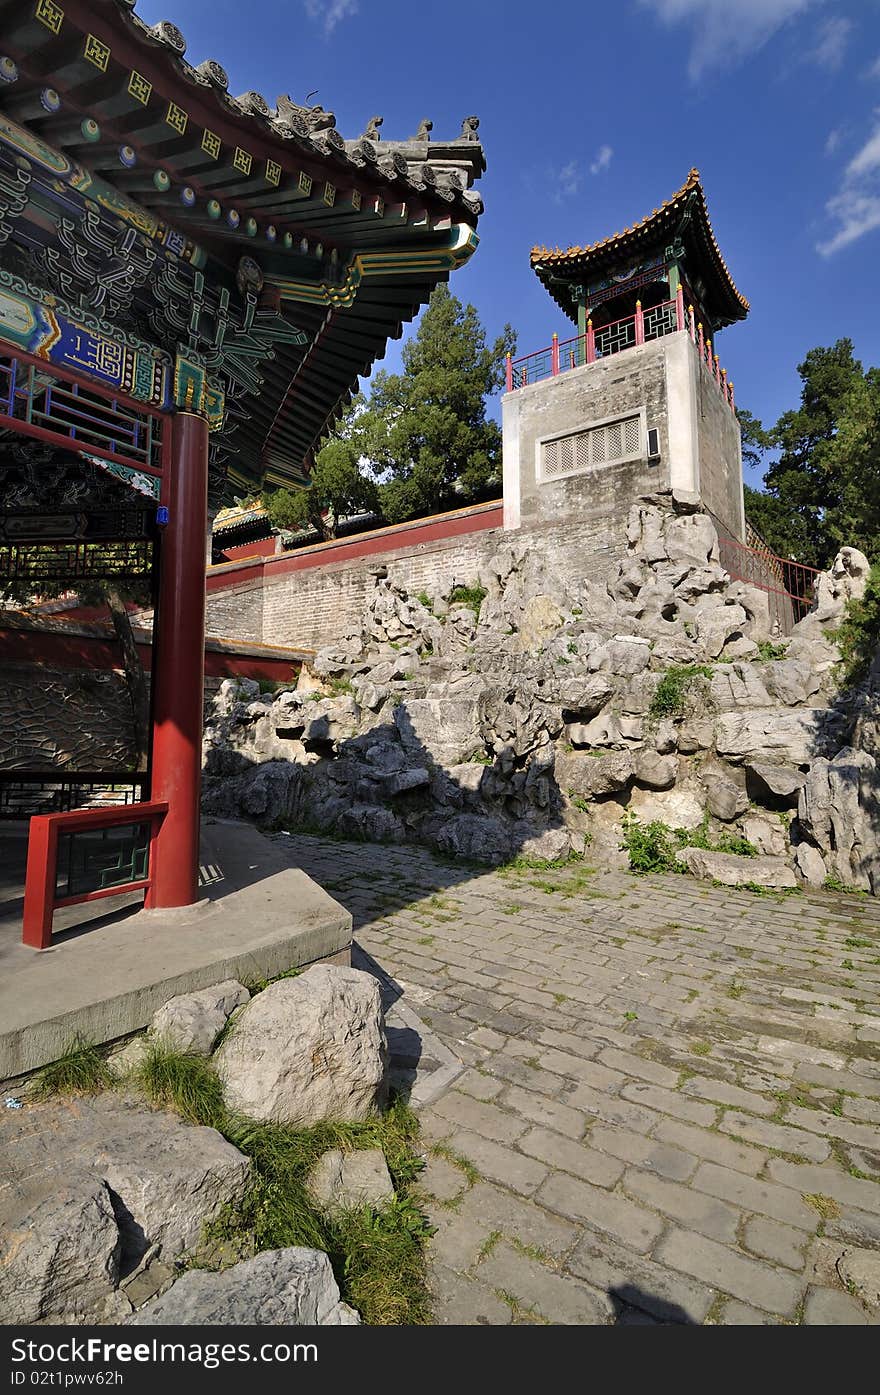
[681, 807]
[725, 799]
[92, 1185]
[696, 734]
[789, 737]
[733, 870]
[167, 1178]
[654, 771]
[626, 655]
[737, 686]
[768, 837]
[810, 864]
[778, 783]
[59, 1250]
[860, 1271]
[191, 1022]
[716, 625]
[308, 1048]
[791, 681]
[445, 728]
[839, 810]
[587, 695]
[540, 620]
[349, 1180]
[580, 773]
[293, 1287]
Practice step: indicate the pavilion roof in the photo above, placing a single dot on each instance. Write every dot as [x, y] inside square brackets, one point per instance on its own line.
[350, 235]
[685, 216]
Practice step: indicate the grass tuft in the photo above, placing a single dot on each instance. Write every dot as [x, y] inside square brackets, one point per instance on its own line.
[82, 1070]
[377, 1253]
[669, 699]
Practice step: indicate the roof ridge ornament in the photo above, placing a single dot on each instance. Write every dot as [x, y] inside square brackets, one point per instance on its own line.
[214, 72]
[469, 129]
[314, 119]
[255, 103]
[372, 131]
[424, 131]
[169, 34]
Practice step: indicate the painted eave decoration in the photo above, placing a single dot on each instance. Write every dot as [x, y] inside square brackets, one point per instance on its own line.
[263, 257]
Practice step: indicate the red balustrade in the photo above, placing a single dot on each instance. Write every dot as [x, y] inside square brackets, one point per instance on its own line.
[41, 892]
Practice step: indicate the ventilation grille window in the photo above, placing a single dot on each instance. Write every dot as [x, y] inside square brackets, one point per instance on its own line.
[597, 445]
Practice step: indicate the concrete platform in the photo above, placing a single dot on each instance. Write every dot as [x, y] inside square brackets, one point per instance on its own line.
[106, 974]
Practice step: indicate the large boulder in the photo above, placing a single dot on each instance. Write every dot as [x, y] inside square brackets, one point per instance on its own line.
[191, 1022]
[167, 1178]
[90, 1186]
[60, 1250]
[732, 870]
[789, 737]
[839, 811]
[308, 1048]
[579, 772]
[281, 1288]
[774, 784]
[447, 729]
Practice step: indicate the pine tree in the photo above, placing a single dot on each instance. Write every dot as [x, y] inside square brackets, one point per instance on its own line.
[338, 484]
[425, 430]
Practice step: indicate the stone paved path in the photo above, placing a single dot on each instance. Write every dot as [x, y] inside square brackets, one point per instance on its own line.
[671, 1104]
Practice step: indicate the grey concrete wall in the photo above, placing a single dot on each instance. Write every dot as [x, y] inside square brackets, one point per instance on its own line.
[720, 452]
[665, 381]
[612, 387]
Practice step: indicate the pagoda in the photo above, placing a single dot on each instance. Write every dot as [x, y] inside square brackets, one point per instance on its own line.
[191, 283]
[587, 431]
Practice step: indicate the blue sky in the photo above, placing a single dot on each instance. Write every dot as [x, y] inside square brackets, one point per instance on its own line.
[592, 114]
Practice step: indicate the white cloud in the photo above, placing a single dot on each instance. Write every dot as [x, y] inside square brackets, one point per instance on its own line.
[833, 140]
[856, 206]
[726, 31]
[602, 160]
[874, 70]
[329, 12]
[567, 181]
[832, 43]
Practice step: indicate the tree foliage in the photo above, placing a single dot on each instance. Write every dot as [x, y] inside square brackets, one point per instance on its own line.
[425, 430]
[822, 490]
[339, 485]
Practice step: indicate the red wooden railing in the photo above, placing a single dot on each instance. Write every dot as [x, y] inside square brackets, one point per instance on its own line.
[792, 584]
[669, 317]
[51, 404]
[41, 898]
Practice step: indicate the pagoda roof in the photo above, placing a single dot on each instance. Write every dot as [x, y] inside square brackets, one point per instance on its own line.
[350, 236]
[242, 516]
[684, 216]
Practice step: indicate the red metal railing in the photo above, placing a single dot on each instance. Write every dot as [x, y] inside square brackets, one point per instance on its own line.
[669, 317]
[42, 893]
[41, 400]
[791, 584]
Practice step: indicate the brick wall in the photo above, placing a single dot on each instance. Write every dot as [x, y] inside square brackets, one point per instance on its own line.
[316, 605]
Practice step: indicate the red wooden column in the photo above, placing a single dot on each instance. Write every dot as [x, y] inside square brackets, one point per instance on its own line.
[178, 666]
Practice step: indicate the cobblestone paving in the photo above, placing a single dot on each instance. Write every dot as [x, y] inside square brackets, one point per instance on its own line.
[671, 1104]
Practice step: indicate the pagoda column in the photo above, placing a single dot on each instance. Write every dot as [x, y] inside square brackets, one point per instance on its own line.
[178, 665]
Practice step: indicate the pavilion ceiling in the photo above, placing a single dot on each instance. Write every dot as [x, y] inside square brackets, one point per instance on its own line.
[275, 251]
